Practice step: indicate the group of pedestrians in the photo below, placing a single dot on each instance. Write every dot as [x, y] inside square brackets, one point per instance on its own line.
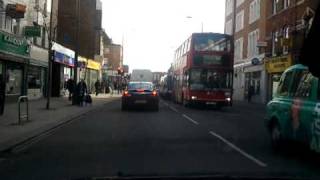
[78, 91]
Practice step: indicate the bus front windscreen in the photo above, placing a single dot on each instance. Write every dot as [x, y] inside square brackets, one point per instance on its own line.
[206, 79]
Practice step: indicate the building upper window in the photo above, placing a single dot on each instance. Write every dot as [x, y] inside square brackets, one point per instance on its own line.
[254, 11]
[239, 21]
[238, 49]
[286, 39]
[229, 7]
[239, 2]
[286, 3]
[228, 28]
[275, 40]
[274, 6]
[253, 38]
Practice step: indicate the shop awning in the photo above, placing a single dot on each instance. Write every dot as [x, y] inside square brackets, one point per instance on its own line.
[13, 57]
[38, 63]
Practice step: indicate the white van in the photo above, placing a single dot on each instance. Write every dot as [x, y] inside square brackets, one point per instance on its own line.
[141, 75]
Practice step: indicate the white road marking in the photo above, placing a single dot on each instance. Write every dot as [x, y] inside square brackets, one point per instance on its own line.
[257, 161]
[173, 109]
[166, 104]
[190, 119]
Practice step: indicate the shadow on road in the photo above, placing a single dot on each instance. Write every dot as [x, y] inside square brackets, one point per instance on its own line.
[300, 153]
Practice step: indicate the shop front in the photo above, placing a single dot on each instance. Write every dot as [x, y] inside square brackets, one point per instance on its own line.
[250, 75]
[37, 72]
[14, 58]
[255, 83]
[93, 69]
[275, 66]
[62, 69]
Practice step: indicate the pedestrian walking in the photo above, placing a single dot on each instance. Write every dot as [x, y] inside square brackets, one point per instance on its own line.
[2, 94]
[70, 87]
[115, 86]
[82, 91]
[250, 92]
[97, 86]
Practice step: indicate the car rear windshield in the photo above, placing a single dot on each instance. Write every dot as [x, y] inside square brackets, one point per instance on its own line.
[145, 86]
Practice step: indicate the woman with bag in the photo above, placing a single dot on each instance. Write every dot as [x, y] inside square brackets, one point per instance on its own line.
[82, 91]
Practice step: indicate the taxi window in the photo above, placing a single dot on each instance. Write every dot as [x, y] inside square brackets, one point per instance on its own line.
[284, 84]
[305, 84]
[296, 80]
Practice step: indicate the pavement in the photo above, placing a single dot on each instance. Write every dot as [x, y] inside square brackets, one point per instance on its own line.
[41, 119]
[176, 141]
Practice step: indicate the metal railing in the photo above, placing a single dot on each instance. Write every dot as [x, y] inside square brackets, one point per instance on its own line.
[26, 115]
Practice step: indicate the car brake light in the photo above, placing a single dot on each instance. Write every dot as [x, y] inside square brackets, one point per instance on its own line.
[140, 90]
[126, 93]
[154, 93]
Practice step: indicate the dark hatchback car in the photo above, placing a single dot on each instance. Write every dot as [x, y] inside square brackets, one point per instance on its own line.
[140, 94]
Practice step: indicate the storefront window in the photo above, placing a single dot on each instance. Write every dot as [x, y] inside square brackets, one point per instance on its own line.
[14, 82]
[34, 77]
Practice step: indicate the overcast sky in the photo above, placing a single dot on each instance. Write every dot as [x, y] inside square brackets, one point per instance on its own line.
[152, 29]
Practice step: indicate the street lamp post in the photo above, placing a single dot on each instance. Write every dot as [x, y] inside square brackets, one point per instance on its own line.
[190, 17]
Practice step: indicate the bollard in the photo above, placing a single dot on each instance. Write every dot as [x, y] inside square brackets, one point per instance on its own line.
[24, 116]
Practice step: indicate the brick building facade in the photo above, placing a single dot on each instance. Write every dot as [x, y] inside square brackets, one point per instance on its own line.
[90, 26]
[287, 24]
[246, 20]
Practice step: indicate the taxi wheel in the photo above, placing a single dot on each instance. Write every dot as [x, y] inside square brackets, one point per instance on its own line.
[276, 137]
[124, 107]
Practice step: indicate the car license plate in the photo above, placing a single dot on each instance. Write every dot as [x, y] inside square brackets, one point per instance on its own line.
[140, 101]
[211, 103]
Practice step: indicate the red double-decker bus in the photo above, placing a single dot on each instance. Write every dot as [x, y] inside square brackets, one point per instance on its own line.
[203, 70]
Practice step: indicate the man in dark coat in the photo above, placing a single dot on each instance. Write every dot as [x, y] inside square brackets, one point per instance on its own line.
[97, 86]
[81, 90]
[70, 87]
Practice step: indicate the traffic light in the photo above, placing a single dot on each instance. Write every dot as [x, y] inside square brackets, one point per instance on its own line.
[120, 71]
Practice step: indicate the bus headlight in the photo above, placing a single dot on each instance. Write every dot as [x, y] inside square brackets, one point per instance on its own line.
[193, 97]
[228, 99]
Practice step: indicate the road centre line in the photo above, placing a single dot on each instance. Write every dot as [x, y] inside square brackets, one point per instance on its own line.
[190, 119]
[255, 160]
[173, 109]
[166, 104]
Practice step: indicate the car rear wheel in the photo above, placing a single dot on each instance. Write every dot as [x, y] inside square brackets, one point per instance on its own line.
[156, 107]
[185, 102]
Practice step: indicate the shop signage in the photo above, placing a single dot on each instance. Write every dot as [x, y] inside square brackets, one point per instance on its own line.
[82, 62]
[63, 59]
[255, 61]
[105, 66]
[14, 44]
[278, 64]
[15, 11]
[32, 31]
[93, 65]
[262, 44]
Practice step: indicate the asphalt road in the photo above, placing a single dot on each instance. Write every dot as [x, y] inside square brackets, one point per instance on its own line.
[175, 141]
